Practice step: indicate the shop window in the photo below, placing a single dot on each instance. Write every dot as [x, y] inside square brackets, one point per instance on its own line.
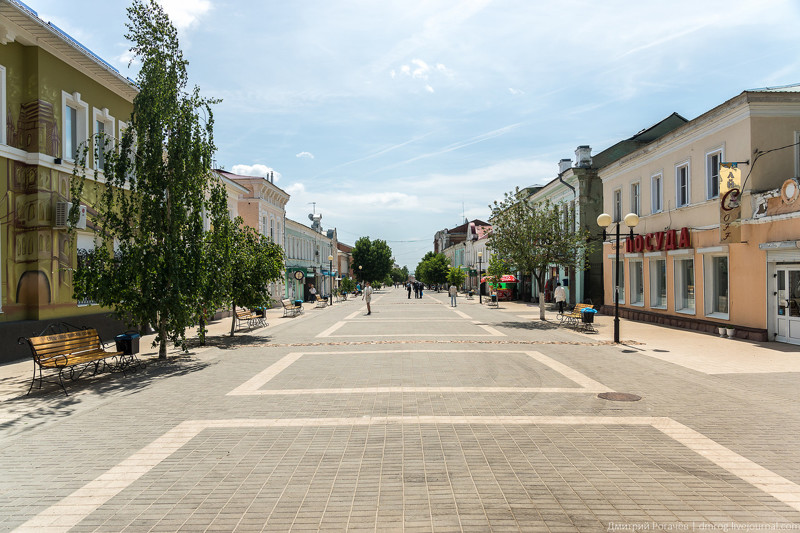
[75, 127]
[715, 280]
[684, 286]
[657, 193]
[621, 292]
[713, 159]
[658, 283]
[637, 282]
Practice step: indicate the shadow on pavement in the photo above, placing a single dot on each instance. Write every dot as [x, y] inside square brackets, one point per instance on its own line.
[226, 342]
[537, 325]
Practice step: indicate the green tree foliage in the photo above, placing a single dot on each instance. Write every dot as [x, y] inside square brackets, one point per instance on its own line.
[532, 237]
[497, 268]
[399, 275]
[375, 258]
[456, 276]
[156, 186]
[347, 285]
[433, 269]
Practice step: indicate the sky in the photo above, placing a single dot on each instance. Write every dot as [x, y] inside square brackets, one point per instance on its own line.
[398, 118]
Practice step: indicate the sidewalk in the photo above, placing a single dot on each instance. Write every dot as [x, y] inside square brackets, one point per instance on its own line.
[702, 352]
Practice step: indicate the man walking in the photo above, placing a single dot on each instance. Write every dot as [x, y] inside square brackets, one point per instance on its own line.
[408, 286]
[367, 297]
[561, 297]
[453, 294]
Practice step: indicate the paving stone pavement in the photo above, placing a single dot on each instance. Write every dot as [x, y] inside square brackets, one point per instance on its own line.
[419, 417]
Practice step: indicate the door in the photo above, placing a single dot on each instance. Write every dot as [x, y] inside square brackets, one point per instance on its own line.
[787, 304]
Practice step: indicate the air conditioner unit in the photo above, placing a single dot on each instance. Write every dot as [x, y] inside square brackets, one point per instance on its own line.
[62, 215]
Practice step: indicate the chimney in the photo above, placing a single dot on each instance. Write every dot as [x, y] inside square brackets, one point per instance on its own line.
[564, 165]
[583, 156]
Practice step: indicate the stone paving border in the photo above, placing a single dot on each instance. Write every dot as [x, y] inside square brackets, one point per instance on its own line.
[74, 508]
[252, 387]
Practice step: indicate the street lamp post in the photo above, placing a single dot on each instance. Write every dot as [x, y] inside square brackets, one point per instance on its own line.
[330, 275]
[604, 220]
[480, 292]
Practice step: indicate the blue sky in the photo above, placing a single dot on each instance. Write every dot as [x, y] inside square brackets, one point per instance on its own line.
[399, 118]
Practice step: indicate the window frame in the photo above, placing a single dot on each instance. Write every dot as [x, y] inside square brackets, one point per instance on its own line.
[679, 187]
[636, 197]
[653, 272]
[679, 283]
[720, 153]
[3, 111]
[81, 124]
[710, 285]
[634, 263]
[109, 123]
[657, 192]
[616, 204]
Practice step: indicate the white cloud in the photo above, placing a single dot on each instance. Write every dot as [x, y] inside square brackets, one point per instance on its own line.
[296, 188]
[255, 170]
[305, 155]
[515, 92]
[185, 13]
[429, 89]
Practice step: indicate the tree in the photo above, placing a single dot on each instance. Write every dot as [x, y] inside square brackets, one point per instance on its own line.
[399, 275]
[347, 285]
[433, 269]
[374, 258]
[456, 276]
[157, 182]
[532, 237]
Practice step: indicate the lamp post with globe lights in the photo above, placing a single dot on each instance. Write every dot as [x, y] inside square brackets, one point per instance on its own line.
[604, 220]
[480, 292]
[330, 275]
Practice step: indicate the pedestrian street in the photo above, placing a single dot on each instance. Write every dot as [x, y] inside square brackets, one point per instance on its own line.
[418, 417]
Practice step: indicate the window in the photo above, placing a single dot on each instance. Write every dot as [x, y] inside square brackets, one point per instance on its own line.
[621, 286]
[637, 282]
[657, 193]
[715, 280]
[658, 283]
[713, 159]
[617, 205]
[103, 136]
[684, 285]
[635, 187]
[682, 184]
[75, 127]
[272, 228]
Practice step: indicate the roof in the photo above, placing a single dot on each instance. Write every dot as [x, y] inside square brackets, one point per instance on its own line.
[29, 30]
[232, 176]
[793, 88]
[643, 137]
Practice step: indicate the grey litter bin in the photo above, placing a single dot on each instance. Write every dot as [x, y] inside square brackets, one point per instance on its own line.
[128, 343]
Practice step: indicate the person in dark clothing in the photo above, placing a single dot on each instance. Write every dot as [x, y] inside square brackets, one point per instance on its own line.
[408, 286]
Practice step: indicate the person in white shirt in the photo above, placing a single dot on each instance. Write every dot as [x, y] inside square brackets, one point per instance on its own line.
[367, 297]
[560, 295]
[453, 294]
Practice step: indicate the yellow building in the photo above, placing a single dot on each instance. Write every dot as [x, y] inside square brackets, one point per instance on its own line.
[54, 95]
[681, 268]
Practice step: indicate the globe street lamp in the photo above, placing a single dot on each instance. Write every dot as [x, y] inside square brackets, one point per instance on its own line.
[330, 274]
[480, 292]
[604, 220]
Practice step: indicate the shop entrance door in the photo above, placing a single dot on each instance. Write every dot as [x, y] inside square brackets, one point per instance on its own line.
[787, 304]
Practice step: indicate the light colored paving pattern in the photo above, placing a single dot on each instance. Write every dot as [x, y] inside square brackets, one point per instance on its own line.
[253, 386]
[71, 510]
[329, 333]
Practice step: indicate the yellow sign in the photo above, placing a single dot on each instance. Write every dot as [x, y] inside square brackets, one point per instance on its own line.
[730, 210]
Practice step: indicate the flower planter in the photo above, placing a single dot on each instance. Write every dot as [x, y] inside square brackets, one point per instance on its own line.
[731, 332]
[721, 331]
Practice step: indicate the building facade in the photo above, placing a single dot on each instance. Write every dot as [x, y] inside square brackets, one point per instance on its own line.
[55, 97]
[307, 253]
[698, 258]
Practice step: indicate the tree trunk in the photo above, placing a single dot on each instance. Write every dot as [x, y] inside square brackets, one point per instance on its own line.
[162, 333]
[541, 306]
[233, 320]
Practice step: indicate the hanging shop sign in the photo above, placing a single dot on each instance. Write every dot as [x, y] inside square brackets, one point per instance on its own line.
[659, 241]
[730, 210]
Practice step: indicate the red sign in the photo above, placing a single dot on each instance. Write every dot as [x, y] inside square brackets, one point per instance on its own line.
[658, 241]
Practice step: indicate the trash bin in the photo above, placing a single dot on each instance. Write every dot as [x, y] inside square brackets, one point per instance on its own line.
[587, 316]
[128, 343]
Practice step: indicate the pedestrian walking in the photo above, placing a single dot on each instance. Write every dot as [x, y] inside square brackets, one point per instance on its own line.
[453, 294]
[416, 289]
[368, 296]
[408, 287]
[560, 295]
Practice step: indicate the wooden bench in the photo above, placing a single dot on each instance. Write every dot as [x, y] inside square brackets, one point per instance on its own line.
[290, 308]
[72, 353]
[253, 320]
[321, 302]
[574, 319]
